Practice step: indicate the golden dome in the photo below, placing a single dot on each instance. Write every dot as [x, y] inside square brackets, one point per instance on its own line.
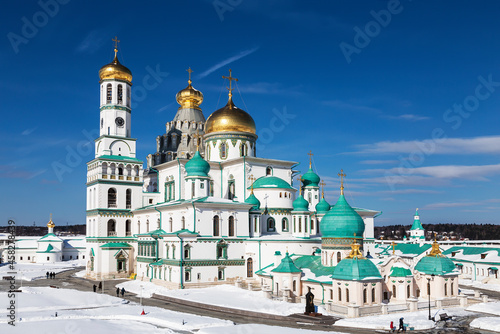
[189, 97]
[115, 70]
[230, 119]
[51, 224]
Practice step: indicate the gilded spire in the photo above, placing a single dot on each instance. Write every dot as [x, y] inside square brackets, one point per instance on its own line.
[299, 178]
[116, 40]
[355, 252]
[252, 180]
[230, 88]
[310, 154]
[322, 184]
[189, 71]
[197, 137]
[393, 244]
[435, 251]
[51, 224]
[342, 175]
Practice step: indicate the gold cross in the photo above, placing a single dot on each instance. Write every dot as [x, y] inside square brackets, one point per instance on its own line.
[190, 71]
[252, 179]
[230, 78]
[322, 184]
[393, 250]
[50, 216]
[342, 175]
[116, 40]
[299, 178]
[310, 154]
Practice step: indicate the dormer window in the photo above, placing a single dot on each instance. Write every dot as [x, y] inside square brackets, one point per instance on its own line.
[483, 256]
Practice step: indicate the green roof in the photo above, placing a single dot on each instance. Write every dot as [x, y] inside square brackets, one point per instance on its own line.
[313, 263]
[322, 206]
[286, 266]
[310, 179]
[400, 272]
[116, 245]
[416, 223]
[356, 269]
[271, 182]
[50, 237]
[342, 222]
[119, 157]
[197, 166]
[409, 249]
[254, 201]
[300, 204]
[469, 250]
[48, 250]
[435, 264]
[155, 232]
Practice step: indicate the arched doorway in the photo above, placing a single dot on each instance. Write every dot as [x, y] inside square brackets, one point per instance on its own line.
[249, 267]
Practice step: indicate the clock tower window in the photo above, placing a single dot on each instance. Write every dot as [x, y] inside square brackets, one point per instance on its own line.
[120, 94]
[108, 93]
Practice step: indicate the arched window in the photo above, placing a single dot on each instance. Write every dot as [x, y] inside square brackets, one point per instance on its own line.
[269, 170]
[407, 291]
[223, 150]
[294, 286]
[231, 226]
[373, 295]
[187, 252]
[300, 224]
[216, 226]
[340, 294]
[249, 267]
[183, 223]
[243, 149]
[270, 225]
[128, 199]
[281, 194]
[187, 276]
[220, 276]
[111, 228]
[128, 96]
[365, 297]
[347, 295]
[120, 171]
[452, 292]
[111, 198]
[309, 198]
[108, 93]
[394, 291]
[339, 257]
[445, 289]
[128, 227]
[284, 225]
[102, 122]
[193, 186]
[120, 94]
[171, 224]
[294, 225]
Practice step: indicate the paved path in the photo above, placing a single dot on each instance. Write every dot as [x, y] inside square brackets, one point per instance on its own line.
[66, 280]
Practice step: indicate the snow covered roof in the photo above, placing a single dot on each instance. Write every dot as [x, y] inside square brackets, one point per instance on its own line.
[487, 255]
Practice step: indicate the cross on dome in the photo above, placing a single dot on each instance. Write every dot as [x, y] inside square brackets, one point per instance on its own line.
[230, 78]
[342, 175]
[322, 184]
[310, 154]
[116, 40]
[252, 179]
[197, 137]
[189, 71]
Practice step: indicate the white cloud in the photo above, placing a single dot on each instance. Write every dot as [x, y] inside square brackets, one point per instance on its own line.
[408, 117]
[227, 61]
[477, 145]
[378, 162]
[445, 172]
[351, 106]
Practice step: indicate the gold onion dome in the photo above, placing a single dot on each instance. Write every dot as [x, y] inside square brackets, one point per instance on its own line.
[51, 224]
[189, 97]
[115, 70]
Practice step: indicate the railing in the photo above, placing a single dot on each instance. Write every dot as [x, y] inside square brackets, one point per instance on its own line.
[111, 233]
[450, 302]
[112, 205]
[369, 310]
[104, 176]
[136, 178]
[128, 233]
[112, 177]
[120, 177]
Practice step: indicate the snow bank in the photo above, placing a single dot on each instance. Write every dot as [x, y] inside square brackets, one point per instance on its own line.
[221, 295]
[487, 323]
[261, 329]
[491, 307]
[479, 285]
[34, 271]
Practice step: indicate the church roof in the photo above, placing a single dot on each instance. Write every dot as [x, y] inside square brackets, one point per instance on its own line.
[300, 204]
[286, 266]
[197, 166]
[118, 158]
[310, 178]
[50, 249]
[113, 245]
[342, 221]
[417, 225]
[271, 182]
[400, 270]
[322, 206]
[356, 269]
[435, 262]
[254, 201]
[50, 237]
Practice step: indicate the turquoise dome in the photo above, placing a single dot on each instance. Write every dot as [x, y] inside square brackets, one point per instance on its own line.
[356, 269]
[342, 222]
[300, 204]
[435, 264]
[310, 179]
[254, 201]
[197, 166]
[270, 182]
[322, 206]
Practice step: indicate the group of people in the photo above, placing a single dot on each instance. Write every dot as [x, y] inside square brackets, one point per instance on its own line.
[50, 275]
[401, 326]
[118, 291]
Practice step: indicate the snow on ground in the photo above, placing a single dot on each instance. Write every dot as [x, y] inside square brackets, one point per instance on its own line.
[33, 271]
[479, 285]
[36, 308]
[80, 273]
[487, 323]
[261, 329]
[418, 320]
[220, 295]
[491, 307]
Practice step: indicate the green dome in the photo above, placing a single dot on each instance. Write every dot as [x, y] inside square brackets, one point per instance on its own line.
[270, 182]
[287, 266]
[356, 269]
[253, 200]
[342, 222]
[197, 166]
[310, 179]
[417, 225]
[322, 206]
[435, 264]
[300, 204]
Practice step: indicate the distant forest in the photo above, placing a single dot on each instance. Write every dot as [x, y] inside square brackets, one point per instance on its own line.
[443, 231]
[30, 230]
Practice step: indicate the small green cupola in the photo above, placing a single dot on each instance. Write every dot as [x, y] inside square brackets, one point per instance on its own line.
[300, 204]
[197, 166]
[310, 179]
[435, 262]
[286, 266]
[417, 225]
[254, 201]
[356, 267]
[322, 207]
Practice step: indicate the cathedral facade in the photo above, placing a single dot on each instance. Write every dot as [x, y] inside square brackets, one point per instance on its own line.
[207, 210]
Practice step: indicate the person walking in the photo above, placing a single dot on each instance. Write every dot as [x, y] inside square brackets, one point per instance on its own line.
[117, 292]
[53, 274]
[401, 325]
[123, 292]
[100, 286]
[47, 275]
[392, 326]
[95, 288]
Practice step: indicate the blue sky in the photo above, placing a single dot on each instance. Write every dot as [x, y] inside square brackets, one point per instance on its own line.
[403, 96]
